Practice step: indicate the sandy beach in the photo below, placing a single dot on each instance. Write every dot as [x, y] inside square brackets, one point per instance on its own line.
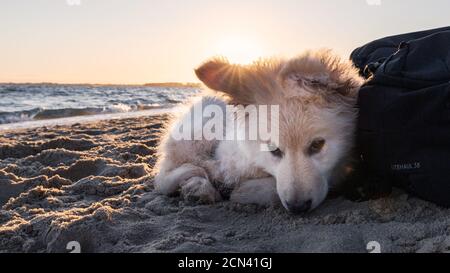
[92, 183]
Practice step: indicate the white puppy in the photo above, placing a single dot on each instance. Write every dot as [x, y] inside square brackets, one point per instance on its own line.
[315, 94]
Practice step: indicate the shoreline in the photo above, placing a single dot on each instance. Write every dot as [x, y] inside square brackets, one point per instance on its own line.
[83, 119]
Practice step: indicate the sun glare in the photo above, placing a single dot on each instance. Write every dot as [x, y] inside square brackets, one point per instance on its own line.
[239, 50]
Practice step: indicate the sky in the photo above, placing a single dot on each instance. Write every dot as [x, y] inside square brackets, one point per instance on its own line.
[141, 41]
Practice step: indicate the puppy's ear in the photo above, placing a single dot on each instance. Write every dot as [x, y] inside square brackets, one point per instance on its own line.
[323, 71]
[219, 75]
[344, 78]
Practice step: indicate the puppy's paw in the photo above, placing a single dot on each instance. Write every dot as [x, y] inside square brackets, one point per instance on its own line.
[169, 183]
[199, 189]
[262, 192]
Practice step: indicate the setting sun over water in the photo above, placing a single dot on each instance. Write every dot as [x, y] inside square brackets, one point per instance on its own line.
[240, 50]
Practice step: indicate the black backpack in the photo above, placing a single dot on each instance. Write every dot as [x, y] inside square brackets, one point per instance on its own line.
[403, 133]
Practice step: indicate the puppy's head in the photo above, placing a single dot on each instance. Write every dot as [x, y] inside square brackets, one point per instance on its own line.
[316, 95]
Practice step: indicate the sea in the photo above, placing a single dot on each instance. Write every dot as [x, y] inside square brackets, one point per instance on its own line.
[32, 105]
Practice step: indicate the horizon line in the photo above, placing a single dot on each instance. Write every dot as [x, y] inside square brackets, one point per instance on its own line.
[86, 83]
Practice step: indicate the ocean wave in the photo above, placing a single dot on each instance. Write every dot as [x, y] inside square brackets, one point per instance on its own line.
[42, 114]
[18, 116]
[28, 102]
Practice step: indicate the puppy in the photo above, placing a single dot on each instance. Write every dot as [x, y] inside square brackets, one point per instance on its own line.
[315, 96]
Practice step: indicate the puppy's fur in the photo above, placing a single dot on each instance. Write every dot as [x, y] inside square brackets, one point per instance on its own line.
[316, 93]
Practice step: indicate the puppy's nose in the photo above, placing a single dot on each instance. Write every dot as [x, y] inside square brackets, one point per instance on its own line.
[299, 207]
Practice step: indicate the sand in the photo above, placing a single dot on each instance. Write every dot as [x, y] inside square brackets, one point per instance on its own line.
[92, 183]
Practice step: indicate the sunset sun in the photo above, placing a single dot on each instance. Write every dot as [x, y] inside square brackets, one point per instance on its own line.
[239, 50]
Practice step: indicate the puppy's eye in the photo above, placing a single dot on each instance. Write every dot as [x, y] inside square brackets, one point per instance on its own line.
[275, 150]
[316, 146]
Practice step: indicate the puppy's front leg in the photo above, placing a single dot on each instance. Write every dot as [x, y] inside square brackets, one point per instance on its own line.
[193, 181]
[261, 191]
